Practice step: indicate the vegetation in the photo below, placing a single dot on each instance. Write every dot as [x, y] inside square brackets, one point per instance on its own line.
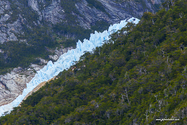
[138, 78]
[23, 53]
[40, 37]
[97, 5]
[37, 37]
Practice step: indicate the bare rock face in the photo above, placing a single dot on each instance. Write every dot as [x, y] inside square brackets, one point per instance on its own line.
[58, 52]
[21, 18]
[8, 29]
[15, 23]
[33, 4]
[13, 83]
[53, 13]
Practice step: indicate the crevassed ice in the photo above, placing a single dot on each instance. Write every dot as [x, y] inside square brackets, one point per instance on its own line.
[65, 61]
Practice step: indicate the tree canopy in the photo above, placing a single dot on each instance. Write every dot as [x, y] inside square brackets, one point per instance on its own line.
[138, 76]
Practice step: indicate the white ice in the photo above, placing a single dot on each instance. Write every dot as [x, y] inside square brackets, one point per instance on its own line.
[65, 61]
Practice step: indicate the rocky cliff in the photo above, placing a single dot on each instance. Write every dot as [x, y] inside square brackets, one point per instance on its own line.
[34, 29]
[13, 83]
[15, 14]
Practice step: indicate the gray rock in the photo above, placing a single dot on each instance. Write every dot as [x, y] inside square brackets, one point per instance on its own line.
[13, 83]
[44, 12]
[1, 51]
[53, 13]
[55, 57]
[33, 4]
[4, 18]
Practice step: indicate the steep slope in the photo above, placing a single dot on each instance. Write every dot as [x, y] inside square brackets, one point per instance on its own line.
[65, 61]
[37, 24]
[32, 32]
[135, 78]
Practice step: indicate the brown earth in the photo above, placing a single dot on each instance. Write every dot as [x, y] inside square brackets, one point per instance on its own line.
[36, 89]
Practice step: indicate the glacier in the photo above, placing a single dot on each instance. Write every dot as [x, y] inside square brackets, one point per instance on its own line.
[65, 61]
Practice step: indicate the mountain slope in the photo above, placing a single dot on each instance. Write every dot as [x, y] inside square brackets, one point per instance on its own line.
[65, 61]
[32, 32]
[33, 25]
[137, 79]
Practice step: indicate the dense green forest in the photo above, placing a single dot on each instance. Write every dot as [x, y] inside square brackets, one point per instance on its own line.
[136, 77]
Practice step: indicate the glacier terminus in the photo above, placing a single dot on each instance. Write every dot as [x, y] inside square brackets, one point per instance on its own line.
[65, 61]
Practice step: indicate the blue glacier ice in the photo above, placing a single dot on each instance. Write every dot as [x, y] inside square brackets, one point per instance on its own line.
[65, 61]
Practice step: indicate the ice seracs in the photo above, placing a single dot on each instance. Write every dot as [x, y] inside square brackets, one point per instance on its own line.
[65, 61]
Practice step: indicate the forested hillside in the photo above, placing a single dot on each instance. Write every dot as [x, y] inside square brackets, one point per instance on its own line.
[138, 76]
[31, 28]
[32, 32]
